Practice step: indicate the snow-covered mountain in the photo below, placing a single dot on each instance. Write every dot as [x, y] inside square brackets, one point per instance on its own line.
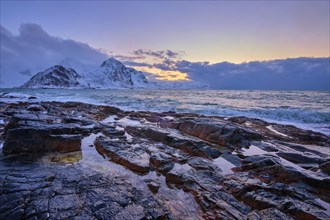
[138, 78]
[55, 77]
[114, 74]
[111, 74]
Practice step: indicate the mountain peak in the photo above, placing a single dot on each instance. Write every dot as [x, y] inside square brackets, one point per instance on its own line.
[57, 67]
[111, 74]
[111, 62]
[54, 77]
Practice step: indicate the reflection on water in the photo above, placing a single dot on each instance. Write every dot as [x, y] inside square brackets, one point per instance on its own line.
[253, 150]
[71, 157]
[181, 204]
[182, 167]
[224, 165]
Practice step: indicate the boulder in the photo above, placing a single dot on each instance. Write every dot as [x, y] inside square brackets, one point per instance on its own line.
[190, 146]
[35, 107]
[325, 167]
[35, 140]
[135, 159]
[161, 162]
[63, 143]
[301, 158]
[153, 185]
[216, 131]
[40, 133]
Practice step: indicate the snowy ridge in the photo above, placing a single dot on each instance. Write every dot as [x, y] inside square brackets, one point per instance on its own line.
[114, 74]
[55, 77]
[111, 74]
[138, 78]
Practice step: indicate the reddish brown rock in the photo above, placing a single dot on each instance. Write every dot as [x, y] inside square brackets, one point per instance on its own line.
[192, 147]
[217, 131]
[63, 143]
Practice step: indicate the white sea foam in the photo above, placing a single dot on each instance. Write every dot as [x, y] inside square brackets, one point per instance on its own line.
[304, 109]
[270, 127]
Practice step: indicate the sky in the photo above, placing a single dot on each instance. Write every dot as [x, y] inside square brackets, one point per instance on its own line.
[160, 36]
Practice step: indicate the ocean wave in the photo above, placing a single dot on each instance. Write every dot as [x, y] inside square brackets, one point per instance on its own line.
[298, 115]
[308, 110]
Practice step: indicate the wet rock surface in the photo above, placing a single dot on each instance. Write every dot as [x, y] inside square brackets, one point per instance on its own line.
[81, 161]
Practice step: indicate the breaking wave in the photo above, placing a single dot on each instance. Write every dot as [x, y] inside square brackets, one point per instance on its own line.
[305, 109]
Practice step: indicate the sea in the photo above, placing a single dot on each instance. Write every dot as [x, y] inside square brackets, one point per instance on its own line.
[308, 110]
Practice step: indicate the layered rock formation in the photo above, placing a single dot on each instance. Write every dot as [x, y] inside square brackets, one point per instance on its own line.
[80, 161]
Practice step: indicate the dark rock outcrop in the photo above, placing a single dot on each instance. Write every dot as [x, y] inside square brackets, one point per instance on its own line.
[219, 132]
[325, 167]
[29, 133]
[185, 144]
[143, 165]
[135, 159]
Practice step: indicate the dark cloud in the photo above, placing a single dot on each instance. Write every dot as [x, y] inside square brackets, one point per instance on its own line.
[141, 52]
[33, 50]
[162, 66]
[172, 54]
[291, 74]
[26, 72]
[132, 63]
[166, 59]
[129, 58]
[167, 64]
[161, 54]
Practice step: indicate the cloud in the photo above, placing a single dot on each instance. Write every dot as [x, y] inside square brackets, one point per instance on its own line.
[286, 74]
[165, 59]
[34, 50]
[140, 64]
[173, 54]
[26, 72]
[161, 54]
[290, 74]
[160, 64]
[167, 64]
[129, 58]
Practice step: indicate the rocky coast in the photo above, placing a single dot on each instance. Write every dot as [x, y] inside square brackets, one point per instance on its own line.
[81, 161]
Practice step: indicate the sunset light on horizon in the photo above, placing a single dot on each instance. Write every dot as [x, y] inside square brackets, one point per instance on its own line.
[164, 109]
[168, 40]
